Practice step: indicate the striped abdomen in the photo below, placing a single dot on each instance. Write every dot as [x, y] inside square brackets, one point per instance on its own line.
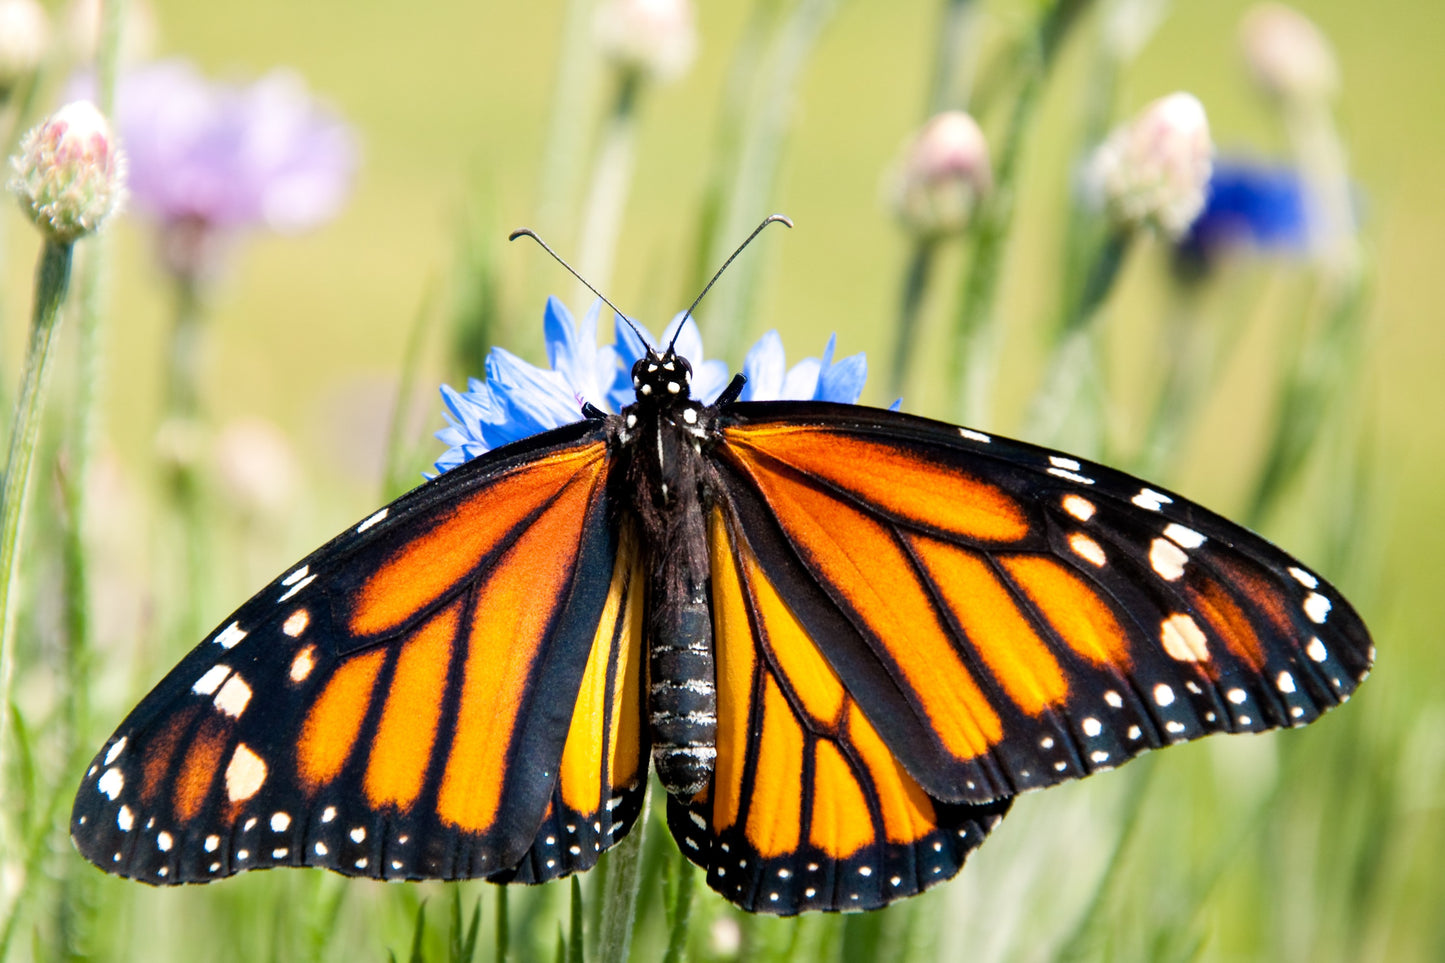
[683, 692]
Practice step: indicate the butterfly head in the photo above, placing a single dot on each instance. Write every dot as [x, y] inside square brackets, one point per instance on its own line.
[662, 377]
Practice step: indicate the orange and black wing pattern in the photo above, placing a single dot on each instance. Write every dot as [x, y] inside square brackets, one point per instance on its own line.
[809, 808]
[450, 689]
[1006, 617]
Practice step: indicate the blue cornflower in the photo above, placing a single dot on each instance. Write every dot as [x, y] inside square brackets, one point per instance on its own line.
[1248, 203]
[518, 399]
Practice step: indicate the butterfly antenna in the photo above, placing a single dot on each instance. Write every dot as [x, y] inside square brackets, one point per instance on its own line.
[771, 218]
[528, 232]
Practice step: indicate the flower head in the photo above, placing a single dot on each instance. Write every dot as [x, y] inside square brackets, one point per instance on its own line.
[518, 399]
[69, 174]
[210, 159]
[1152, 172]
[24, 37]
[944, 172]
[652, 37]
[1289, 56]
[1248, 203]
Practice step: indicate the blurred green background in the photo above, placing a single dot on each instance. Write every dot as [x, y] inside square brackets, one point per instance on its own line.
[453, 101]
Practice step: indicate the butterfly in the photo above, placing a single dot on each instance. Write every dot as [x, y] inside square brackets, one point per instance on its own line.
[844, 637]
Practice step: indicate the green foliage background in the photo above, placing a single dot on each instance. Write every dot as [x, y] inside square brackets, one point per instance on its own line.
[1322, 844]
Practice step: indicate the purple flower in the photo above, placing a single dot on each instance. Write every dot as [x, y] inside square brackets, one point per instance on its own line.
[208, 160]
[518, 399]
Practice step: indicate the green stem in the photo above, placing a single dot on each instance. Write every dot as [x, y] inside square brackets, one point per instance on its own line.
[975, 343]
[681, 912]
[51, 284]
[611, 182]
[915, 286]
[953, 67]
[182, 423]
[1074, 357]
[619, 895]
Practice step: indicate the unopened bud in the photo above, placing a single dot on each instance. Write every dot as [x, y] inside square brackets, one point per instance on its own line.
[653, 37]
[1289, 56]
[256, 465]
[944, 172]
[69, 174]
[24, 38]
[1154, 172]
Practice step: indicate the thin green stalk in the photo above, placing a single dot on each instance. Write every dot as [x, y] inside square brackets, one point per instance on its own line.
[619, 895]
[681, 911]
[51, 284]
[1074, 359]
[611, 183]
[954, 65]
[182, 423]
[576, 62]
[759, 158]
[915, 286]
[973, 358]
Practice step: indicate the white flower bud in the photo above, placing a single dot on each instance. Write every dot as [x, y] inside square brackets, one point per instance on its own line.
[69, 174]
[24, 38]
[1154, 171]
[1290, 57]
[944, 171]
[653, 37]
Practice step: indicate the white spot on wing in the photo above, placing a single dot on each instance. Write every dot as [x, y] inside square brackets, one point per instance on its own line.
[358, 835]
[212, 843]
[1080, 508]
[164, 842]
[321, 849]
[125, 819]
[114, 751]
[1059, 461]
[371, 520]
[211, 681]
[230, 635]
[1151, 500]
[297, 587]
[296, 576]
[1186, 537]
[1182, 639]
[1167, 559]
[1071, 476]
[1163, 695]
[328, 814]
[303, 663]
[233, 696]
[1091, 726]
[280, 822]
[1237, 696]
[111, 782]
[296, 623]
[1316, 650]
[1114, 699]
[1088, 549]
[1303, 577]
[245, 773]
[1285, 683]
[1317, 607]
[972, 435]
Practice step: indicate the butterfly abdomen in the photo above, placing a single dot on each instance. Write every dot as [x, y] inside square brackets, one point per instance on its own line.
[683, 692]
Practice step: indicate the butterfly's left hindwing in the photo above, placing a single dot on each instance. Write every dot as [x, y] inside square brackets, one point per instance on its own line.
[808, 809]
[410, 701]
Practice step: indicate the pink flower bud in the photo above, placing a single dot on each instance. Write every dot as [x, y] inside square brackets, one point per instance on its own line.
[653, 37]
[24, 38]
[944, 172]
[1154, 172]
[1288, 55]
[69, 174]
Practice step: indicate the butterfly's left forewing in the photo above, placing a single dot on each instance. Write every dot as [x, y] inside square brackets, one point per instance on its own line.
[422, 697]
[1011, 617]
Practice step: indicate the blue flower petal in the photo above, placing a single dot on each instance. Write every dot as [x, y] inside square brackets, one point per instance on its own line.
[1249, 204]
[764, 368]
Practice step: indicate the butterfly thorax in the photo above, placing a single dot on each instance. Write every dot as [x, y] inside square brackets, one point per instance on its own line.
[660, 439]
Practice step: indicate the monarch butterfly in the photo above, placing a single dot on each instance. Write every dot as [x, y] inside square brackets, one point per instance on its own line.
[846, 636]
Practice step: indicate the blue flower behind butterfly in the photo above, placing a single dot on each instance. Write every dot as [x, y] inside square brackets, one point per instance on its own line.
[1251, 204]
[517, 399]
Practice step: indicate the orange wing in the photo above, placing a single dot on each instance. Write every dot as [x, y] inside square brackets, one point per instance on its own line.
[1008, 617]
[449, 689]
[808, 808]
